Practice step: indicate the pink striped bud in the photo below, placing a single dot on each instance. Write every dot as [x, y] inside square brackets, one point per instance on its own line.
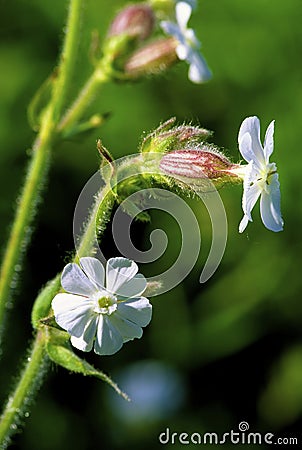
[136, 21]
[151, 59]
[194, 166]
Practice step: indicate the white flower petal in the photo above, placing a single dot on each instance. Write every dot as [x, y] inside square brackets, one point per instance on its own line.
[85, 342]
[245, 147]
[63, 302]
[172, 29]
[243, 224]
[108, 340]
[191, 39]
[198, 71]
[183, 14]
[270, 206]
[269, 141]
[251, 149]
[118, 272]
[133, 287]
[249, 199]
[127, 329]
[72, 312]
[251, 193]
[182, 51]
[94, 270]
[74, 280]
[251, 190]
[137, 310]
[80, 344]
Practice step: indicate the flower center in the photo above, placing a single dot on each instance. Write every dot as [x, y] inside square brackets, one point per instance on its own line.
[269, 175]
[190, 39]
[105, 303]
[265, 175]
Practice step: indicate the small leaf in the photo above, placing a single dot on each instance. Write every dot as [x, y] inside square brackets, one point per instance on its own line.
[43, 302]
[83, 128]
[40, 101]
[60, 351]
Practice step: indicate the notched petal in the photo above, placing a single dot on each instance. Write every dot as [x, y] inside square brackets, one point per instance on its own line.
[138, 310]
[118, 272]
[74, 280]
[94, 270]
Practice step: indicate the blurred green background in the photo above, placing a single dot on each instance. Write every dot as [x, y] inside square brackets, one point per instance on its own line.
[215, 354]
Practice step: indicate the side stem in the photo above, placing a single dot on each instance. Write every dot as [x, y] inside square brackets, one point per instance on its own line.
[29, 383]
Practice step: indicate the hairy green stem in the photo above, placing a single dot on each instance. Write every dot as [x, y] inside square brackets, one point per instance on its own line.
[29, 382]
[100, 76]
[100, 215]
[38, 167]
[68, 57]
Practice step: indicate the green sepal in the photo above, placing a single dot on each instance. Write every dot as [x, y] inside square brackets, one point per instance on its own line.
[39, 103]
[60, 351]
[50, 321]
[43, 302]
[150, 142]
[168, 137]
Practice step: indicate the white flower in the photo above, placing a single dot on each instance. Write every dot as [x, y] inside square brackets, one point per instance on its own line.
[259, 175]
[98, 313]
[188, 45]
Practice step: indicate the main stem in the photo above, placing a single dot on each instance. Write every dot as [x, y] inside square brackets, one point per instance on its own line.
[20, 230]
[38, 167]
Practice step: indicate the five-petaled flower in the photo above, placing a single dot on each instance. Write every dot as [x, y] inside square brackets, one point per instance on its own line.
[260, 177]
[188, 45]
[102, 314]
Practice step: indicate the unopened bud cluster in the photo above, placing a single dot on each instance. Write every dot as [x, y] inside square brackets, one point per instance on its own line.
[186, 159]
[127, 36]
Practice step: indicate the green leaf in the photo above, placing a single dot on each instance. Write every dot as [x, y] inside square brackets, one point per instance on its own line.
[60, 351]
[39, 103]
[43, 302]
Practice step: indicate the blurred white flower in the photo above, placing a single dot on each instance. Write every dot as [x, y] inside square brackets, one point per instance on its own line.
[102, 314]
[188, 45]
[260, 177]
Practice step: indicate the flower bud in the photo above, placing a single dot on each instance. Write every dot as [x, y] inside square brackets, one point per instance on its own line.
[167, 138]
[152, 58]
[195, 166]
[136, 21]
[185, 133]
